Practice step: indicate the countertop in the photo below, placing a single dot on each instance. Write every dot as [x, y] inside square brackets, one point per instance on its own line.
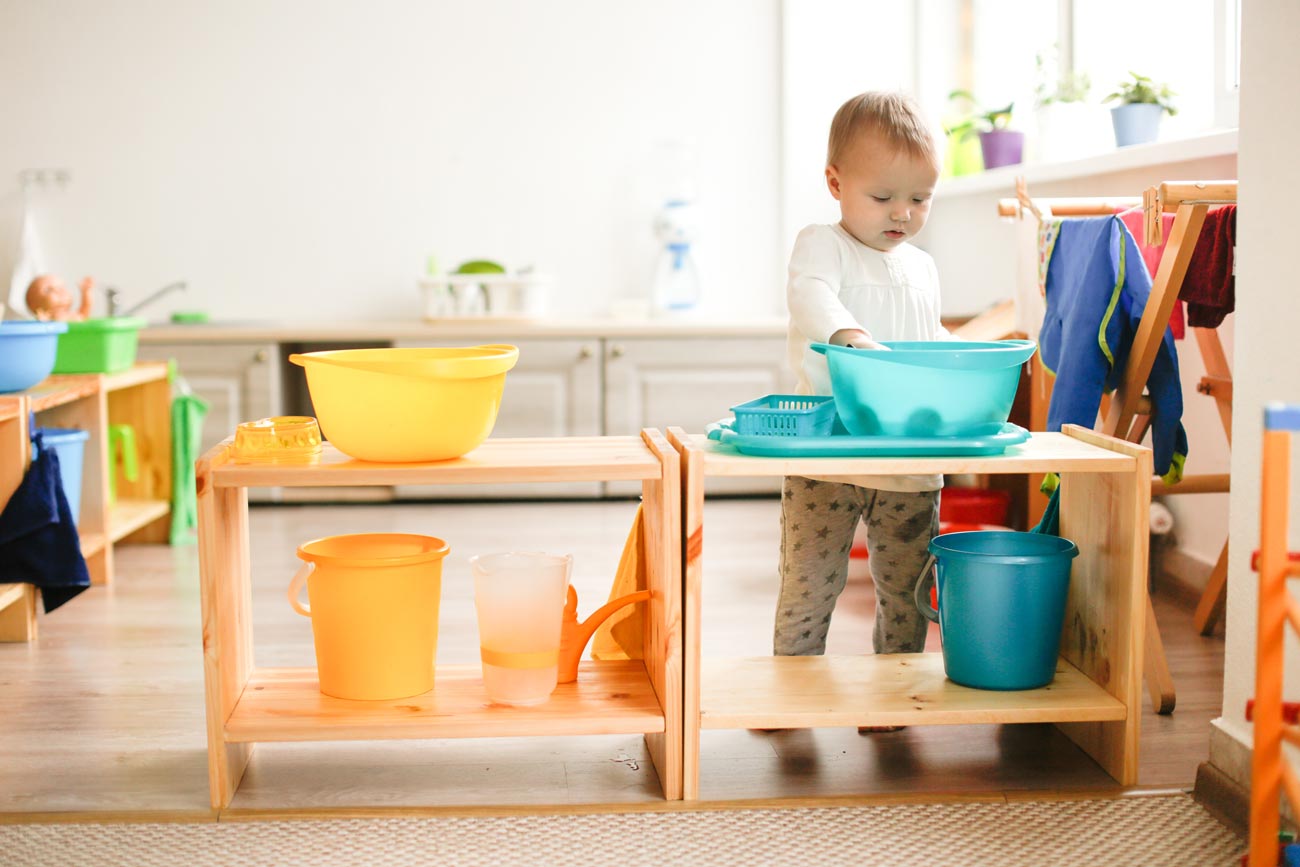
[485, 328]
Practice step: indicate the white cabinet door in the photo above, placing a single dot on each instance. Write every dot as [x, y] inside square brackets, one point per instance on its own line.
[688, 383]
[240, 382]
[554, 391]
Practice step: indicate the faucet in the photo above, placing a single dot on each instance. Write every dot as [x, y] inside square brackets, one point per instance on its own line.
[112, 294]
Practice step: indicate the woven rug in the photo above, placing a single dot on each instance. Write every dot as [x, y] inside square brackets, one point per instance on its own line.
[1150, 831]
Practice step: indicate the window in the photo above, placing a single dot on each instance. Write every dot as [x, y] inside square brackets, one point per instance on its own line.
[993, 49]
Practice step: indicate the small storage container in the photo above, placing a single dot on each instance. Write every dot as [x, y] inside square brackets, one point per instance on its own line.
[27, 351]
[70, 445]
[104, 345]
[786, 415]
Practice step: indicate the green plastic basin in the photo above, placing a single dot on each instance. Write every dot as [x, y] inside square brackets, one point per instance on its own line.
[103, 345]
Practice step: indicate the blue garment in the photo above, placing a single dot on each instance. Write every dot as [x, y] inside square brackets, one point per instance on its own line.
[1097, 287]
[38, 537]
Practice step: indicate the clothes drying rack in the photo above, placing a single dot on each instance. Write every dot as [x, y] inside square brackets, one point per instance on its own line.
[1127, 414]
[1275, 720]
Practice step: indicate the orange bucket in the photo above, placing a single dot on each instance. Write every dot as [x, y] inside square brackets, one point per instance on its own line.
[374, 611]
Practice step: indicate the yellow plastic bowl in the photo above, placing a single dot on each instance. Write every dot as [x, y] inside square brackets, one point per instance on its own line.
[407, 405]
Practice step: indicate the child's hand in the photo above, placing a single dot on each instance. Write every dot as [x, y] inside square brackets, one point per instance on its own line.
[856, 338]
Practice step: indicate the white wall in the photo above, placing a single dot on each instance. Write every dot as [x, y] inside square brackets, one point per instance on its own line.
[833, 49]
[301, 159]
[1268, 320]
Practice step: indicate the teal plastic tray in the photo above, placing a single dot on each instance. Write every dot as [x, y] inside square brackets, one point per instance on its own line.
[991, 442]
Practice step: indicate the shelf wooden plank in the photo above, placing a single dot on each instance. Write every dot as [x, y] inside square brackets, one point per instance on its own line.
[61, 389]
[11, 593]
[142, 372]
[880, 690]
[126, 516]
[572, 459]
[287, 705]
[1042, 453]
[92, 543]
[11, 407]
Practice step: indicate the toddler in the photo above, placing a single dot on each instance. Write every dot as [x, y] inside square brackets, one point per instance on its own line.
[854, 283]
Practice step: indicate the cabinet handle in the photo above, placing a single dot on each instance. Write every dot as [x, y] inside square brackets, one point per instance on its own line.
[616, 351]
[260, 356]
[586, 352]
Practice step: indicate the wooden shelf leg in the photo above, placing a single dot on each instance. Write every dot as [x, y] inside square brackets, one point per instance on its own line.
[662, 648]
[225, 586]
[18, 619]
[690, 551]
[1160, 684]
[1214, 597]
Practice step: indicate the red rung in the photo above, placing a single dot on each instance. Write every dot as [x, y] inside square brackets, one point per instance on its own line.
[1290, 711]
[1291, 557]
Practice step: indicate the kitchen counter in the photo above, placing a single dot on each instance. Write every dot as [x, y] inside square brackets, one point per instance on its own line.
[477, 328]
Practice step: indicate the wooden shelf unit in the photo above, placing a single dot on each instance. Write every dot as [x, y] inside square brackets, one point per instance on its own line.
[139, 396]
[1096, 696]
[246, 705]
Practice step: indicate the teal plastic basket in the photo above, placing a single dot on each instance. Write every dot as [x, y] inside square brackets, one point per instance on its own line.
[786, 415]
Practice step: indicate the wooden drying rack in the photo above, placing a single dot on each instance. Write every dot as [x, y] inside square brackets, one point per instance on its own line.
[1271, 772]
[1127, 415]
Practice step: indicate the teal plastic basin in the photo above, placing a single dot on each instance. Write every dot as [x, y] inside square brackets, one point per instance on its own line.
[1001, 605]
[924, 388]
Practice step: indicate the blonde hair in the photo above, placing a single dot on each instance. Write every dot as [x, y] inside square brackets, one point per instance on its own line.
[892, 116]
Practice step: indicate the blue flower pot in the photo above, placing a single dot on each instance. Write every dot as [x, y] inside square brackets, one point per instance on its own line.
[1136, 123]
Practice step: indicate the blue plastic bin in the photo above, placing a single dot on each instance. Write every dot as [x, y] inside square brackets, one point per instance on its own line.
[27, 352]
[70, 446]
[1001, 605]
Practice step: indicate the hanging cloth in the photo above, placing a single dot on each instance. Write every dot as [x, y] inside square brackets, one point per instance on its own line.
[188, 412]
[39, 544]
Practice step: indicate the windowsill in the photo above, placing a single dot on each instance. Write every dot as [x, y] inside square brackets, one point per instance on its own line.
[1220, 143]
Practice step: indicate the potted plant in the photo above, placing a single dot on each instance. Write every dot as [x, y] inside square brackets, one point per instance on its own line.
[999, 145]
[1065, 122]
[1142, 103]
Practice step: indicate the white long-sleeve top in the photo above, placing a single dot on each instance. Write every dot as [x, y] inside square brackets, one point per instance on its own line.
[836, 282]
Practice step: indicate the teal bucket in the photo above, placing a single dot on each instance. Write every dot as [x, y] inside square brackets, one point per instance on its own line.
[1001, 605]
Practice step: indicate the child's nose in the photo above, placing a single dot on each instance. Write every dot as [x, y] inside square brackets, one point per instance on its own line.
[902, 214]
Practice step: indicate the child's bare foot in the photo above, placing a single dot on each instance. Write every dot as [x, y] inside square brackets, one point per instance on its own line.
[876, 730]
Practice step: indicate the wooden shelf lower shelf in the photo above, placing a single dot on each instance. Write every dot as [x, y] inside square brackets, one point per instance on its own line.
[285, 704]
[92, 544]
[126, 516]
[894, 689]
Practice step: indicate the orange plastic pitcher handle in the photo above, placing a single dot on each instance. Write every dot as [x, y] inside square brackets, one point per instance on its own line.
[295, 589]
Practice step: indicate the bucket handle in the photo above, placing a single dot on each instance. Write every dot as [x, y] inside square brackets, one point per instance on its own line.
[921, 593]
[295, 589]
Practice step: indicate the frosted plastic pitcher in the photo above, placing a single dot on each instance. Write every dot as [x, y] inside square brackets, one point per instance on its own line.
[520, 601]
[374, 611]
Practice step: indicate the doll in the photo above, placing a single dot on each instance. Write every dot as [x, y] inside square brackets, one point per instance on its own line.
[48, 299]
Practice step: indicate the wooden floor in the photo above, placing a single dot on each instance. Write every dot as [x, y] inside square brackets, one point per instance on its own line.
[104, 713]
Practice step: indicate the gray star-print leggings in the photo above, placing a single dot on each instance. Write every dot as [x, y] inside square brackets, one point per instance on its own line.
[817, 524]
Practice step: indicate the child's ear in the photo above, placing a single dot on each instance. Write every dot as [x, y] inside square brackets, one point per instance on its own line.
[833, 181]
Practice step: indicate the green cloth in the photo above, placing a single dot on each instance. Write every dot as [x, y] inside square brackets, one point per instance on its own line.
[188, 412]
[1050, 524]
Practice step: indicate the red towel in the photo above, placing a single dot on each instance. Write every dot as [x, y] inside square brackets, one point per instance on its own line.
[1151, 255]
[1209, 287]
